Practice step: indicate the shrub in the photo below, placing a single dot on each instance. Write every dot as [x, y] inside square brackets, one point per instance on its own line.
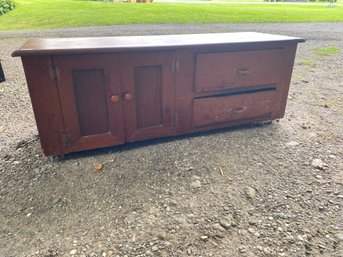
[6, 6]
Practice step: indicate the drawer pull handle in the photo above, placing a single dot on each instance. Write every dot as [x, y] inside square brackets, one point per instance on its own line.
[239, 110]
[128, 96]
[115, 99]
[243, 71]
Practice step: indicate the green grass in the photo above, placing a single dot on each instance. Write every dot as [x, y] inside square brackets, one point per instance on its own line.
[317, 2]
[41, 14]
[236, 1]
[326, 51]
[308, 63]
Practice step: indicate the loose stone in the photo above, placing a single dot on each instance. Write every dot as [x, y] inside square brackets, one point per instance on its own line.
[204, 238]
[73, 252]
[250, 193]
[154, 248]
[291, 144]
[318, 164]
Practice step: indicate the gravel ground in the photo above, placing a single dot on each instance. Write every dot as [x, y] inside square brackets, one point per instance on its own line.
[261, 190]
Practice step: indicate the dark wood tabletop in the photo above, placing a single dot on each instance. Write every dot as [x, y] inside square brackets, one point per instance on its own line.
[58, 46]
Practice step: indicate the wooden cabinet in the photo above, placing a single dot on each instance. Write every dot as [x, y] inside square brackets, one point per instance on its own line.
[108, 99]
[2, 75]
[95, 92]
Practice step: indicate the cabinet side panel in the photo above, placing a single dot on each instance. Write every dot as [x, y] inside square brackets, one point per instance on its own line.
[2, 75]
[288, 63]
[148, 86]
[45, 103]
[91, 101]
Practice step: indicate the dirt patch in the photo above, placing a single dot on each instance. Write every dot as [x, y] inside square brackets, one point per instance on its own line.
[247, 191]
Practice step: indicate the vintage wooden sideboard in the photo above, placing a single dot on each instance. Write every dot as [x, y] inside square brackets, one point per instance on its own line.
[95, 92]
[2, 75]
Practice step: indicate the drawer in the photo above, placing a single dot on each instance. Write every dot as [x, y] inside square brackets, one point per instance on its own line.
[220, 109]
[218, 71]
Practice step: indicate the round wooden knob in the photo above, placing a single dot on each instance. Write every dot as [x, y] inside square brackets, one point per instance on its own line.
[115, 99]
[128, 96]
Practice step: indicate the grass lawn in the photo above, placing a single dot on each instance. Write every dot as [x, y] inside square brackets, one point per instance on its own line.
[317, 2]
[40, 14]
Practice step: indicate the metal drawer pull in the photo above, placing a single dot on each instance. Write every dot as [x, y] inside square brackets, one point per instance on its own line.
[128, 96]
[243, 71]
[115, 99]
[239, 110]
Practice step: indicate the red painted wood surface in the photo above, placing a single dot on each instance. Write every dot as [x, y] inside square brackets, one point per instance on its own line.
[45, 103]
[91, 101]
[148, 77]
[62, 46]
[101, 92]
[148, 96]
[85, 86]
[237, 69]
[220, 109]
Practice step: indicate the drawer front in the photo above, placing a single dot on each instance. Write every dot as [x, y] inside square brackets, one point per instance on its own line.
[218, 71]
[220, 109]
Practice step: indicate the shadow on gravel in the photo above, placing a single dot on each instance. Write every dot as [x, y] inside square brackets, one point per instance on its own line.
[135, 145]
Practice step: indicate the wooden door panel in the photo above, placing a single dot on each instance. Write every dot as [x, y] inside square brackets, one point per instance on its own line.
[91, 104]
[147, 82]
[86, 84]
[148, 94]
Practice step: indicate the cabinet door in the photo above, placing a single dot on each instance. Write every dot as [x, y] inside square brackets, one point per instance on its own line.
[147, 82]
[89, 93]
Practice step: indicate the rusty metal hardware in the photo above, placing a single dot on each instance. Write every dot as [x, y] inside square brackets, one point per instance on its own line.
[239, 110]
[175, 65]
[66, 138]
[52, 73]
[243, 71]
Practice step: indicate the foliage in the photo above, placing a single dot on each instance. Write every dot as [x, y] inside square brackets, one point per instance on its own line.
[327, 51]
[273, 1]
[333, 1]
[45, 14]
[308, 63]
[6, 6]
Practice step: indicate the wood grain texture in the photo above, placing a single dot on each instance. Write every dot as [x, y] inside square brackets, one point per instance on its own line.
[58, 46]
[91, 101]
[45, 103]
[107, 91]
[218, 71]
[92, 119]
[282, 91]
[148, 96]
[184, 91]
[220, 109]
[159, 83]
